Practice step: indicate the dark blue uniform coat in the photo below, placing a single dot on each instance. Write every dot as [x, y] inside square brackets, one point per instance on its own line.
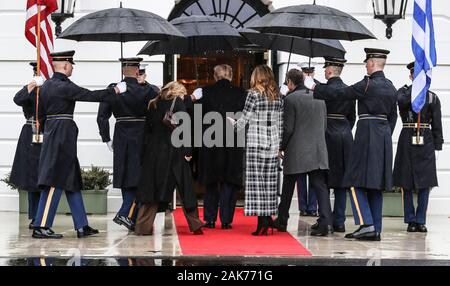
[59, 166]
[128, 135]
[339, 135]
[24, 173]
[415, 165]
[371, 156]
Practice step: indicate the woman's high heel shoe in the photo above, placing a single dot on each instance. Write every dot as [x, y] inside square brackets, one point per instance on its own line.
[263, 226]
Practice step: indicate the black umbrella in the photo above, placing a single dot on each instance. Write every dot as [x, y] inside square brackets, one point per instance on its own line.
[306, 47]
[312, 21]
[203, 33]
[121, 25]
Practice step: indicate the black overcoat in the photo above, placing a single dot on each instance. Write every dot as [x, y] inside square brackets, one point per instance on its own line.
[371, 156]
[58, 163]
[163, 165]
[222, 164]
[24, 172]
[131, 107]
[415, 165]
[340, 121]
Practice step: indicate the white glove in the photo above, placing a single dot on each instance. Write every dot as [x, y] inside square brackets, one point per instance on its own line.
[436, 154]
[39, 80]
[110, 146]
[284, 89]
[309, 83]
[198, 93]
[122, 86]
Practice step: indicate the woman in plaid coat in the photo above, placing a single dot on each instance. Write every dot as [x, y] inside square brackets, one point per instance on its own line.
[263, 113]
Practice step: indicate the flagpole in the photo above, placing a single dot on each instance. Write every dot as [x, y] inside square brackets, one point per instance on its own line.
[38, 49]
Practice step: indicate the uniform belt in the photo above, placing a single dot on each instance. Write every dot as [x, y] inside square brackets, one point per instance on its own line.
[336, 116]
[414, 125]
[372, 117]
[60, 117]
[130, 119]
[31, 122]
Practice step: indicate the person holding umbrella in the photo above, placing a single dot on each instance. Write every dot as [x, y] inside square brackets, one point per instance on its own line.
[341, 116]
[129, 111]
[59, 169]
[24, 172]
[415, 164]
[370, 167]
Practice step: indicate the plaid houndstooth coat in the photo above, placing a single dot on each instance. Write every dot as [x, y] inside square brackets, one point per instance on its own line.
[265, 120]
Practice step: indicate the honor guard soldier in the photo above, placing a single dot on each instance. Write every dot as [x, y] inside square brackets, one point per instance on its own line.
[370, 168]
[24, 173]
[415, 160]
[59, 169]
[142, 78]
[129, 111]
[341, 116]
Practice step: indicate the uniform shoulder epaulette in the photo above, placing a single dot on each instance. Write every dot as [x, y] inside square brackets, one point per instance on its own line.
[112, 85]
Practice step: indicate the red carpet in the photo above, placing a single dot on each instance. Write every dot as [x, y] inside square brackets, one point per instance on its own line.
[237, 241]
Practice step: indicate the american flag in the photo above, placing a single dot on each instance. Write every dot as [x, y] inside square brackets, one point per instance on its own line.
[31, 32]
[424, 49]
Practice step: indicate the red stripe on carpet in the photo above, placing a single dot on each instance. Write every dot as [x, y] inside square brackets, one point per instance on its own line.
[237, 241]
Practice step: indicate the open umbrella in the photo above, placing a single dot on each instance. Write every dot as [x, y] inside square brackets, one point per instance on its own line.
[202, 34]
[312, 21]
[306, 47]
[121, 25]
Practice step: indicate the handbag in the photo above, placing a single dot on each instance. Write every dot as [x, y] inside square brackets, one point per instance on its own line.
[169, 118]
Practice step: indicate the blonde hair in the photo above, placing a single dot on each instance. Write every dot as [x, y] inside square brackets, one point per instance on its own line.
[169, 92]
[263, 81]
[223, 72]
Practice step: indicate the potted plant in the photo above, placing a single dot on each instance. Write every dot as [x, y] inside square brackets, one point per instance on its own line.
[95, 181]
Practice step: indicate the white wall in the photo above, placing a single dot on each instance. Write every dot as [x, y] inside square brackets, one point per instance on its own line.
[97, 66]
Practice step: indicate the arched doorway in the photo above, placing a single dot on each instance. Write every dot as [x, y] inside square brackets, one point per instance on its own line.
[239, 13]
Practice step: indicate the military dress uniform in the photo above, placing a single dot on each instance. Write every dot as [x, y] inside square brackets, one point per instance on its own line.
[370, 165]
[129, 111]
[24, 172]
[341, 116]
[146, 83]
[59, 169]
[415, 164]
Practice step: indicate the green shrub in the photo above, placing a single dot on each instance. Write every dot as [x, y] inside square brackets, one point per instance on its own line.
[95, 178]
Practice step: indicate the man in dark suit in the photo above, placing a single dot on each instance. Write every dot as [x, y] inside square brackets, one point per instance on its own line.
[304, 151]
[129, 111]
[221, 167]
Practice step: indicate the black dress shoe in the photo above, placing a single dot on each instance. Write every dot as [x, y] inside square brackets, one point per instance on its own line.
[303, 213]
[125, 221]
[31, 225]
[362, 230]
[320, 231]
[315, 226]
[422, 228]
[45, 233]
[86, 231]
[210, 224]
[339, 228]
[412, 227]
[280, 226]
[226, 226]
[372, 237]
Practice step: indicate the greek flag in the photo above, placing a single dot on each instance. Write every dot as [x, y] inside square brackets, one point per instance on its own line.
[424, 49]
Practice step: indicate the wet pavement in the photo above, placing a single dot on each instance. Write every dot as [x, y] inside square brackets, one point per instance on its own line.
[115, 246]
